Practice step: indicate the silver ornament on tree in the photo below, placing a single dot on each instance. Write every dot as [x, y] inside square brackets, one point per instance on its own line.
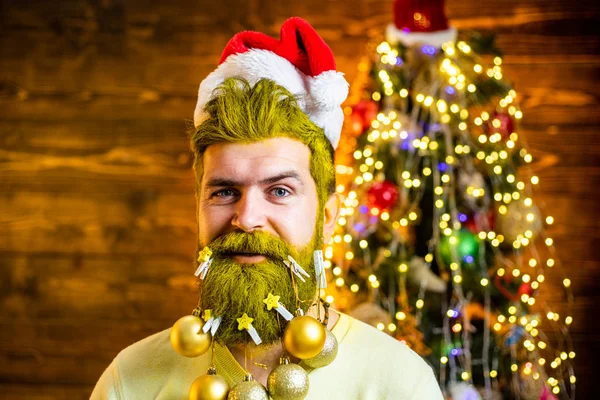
[474, 191]
[327, 355]
[288, 381]
[521, 219]
[248, 389]
[420, 274]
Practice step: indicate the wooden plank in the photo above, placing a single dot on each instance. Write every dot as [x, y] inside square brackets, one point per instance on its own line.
[14, 391]
[88, 137]
[141, 221]
[76, 285]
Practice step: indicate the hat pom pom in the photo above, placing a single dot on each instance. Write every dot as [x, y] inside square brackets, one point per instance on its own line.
[328, 90]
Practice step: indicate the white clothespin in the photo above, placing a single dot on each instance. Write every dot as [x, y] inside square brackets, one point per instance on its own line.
[212, 324]
[245, 322]
[320, 269]
[273, 303]
[205, 260]
[296, 268]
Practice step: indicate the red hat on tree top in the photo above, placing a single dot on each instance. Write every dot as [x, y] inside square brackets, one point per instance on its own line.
[300, 61]
[420, 21]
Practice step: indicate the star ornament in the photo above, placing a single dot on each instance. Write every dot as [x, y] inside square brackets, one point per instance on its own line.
[244, 322]
[204, 255]
[271, 301]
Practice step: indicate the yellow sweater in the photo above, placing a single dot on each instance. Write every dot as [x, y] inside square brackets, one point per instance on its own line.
[369, 365]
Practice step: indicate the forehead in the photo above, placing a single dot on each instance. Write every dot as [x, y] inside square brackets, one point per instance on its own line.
[256, 160]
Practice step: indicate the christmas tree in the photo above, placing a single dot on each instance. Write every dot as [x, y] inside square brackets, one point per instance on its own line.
[440, 243]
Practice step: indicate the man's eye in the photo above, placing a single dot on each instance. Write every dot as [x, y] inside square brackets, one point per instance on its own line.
[224, 193]
[280, 192]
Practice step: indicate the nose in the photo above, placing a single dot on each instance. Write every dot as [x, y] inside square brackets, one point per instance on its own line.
[249, 212]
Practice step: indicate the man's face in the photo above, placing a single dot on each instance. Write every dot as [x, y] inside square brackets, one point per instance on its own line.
[263, 188]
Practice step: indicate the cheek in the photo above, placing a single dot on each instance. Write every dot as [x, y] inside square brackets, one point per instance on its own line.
[210, 223]
[298, 223]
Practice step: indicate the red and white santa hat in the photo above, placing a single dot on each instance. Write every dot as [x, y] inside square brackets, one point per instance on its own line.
[420, 22]
[300, 61]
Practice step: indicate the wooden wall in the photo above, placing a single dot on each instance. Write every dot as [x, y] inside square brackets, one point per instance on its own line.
[96, 195]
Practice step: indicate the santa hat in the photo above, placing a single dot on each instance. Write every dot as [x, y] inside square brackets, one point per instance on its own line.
[420, 22]
[300, 61]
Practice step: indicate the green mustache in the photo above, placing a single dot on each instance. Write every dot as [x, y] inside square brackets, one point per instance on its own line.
[256, 242]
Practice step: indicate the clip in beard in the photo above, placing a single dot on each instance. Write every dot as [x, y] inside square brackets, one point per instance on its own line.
[272, 302]
[212, 324]
[205, 260]
[296, 268]
[245, 322]
[320, 269]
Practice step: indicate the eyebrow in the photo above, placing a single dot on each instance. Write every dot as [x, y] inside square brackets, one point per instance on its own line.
[220, 182]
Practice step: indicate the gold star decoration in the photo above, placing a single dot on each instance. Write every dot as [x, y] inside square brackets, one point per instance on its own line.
[204, 255]
[271, 301]
[244, 322]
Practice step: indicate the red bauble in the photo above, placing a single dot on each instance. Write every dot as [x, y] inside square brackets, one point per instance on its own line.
[475, 226]
[363, 113]
[420, 15]
[506, 127]
[525, 288]
[382, 195]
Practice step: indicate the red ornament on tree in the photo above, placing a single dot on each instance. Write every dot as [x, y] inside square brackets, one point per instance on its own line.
[420, 22]
[382, 195]
[502, 123]
[485, 222]
[420, 15]
[525, 288]
[363, 113]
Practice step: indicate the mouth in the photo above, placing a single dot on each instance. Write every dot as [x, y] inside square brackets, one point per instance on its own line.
[247, 258]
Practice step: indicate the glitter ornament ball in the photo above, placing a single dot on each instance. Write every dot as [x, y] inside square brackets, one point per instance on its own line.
[502, 123]
[288, 382]
[473, 189]
[520, 221]
[249, 389]
[363, 113]
[463, 243]
[209, 387]
[187, 337]
[304, 337]
[382, 195]
[327, 355]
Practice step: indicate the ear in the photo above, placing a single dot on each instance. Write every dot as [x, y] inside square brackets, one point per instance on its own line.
[330, 215]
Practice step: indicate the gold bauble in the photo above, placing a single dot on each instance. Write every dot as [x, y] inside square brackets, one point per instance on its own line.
[288, 382]
[327, 355]
[187, 337]
[304, 337]
[248, 390]
[209, 387]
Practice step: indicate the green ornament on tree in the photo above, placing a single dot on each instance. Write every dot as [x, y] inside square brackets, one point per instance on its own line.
[463, 244]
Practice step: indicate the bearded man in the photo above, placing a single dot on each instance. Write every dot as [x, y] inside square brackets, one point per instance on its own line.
[267, 122]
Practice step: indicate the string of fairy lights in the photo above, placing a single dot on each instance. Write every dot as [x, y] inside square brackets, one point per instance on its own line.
[462, 134]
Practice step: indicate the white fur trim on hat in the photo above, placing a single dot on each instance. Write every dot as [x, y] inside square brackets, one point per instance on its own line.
[319, 97]
[394, 35]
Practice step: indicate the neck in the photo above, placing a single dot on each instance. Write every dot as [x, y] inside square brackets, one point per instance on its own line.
[260, 360]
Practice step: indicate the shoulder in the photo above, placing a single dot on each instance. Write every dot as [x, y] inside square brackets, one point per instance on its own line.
[154, 349]
[144, 369]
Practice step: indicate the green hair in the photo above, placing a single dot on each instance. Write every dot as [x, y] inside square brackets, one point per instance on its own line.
[242, 113]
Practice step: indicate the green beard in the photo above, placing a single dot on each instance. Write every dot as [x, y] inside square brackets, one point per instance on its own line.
[231, 289]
